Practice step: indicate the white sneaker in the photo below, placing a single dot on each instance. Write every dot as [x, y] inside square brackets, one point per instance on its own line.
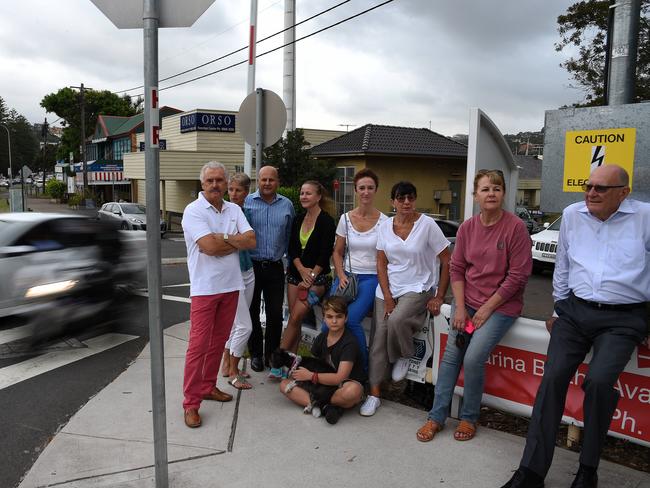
[400, 369]
[370, 406]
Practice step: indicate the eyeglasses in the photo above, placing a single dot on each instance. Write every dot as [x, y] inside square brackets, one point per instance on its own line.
[587, 187]
[403, 198]
[488, 171]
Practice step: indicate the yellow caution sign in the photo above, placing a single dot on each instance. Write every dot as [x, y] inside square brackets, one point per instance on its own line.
[585, 150]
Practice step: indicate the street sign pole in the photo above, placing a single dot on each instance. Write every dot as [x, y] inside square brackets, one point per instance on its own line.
[259, 132]
[151, 16]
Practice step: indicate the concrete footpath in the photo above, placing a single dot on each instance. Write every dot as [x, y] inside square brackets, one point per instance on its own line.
[261, 439]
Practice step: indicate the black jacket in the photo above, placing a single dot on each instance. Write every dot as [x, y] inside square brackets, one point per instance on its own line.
[318, 250]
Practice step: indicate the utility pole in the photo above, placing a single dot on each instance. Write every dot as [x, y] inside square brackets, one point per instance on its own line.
[44, 131]
[82, 102]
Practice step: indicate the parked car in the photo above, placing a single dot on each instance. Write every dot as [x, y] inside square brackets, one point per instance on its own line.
[449, 228]
[545, 246]
[127, 216]
[531, 224]
[4, 183]
[64, 271]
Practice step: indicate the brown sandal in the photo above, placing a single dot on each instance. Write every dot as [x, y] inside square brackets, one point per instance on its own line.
[428, 431]
[465, 431]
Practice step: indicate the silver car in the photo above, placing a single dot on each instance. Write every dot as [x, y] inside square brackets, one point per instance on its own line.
[127, 216]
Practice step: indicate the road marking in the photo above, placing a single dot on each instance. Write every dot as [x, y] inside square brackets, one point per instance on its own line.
[171, 298]
[14, 334]
[176, 286]
[47, 362]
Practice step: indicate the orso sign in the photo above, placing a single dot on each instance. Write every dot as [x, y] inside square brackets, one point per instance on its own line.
[208, 122]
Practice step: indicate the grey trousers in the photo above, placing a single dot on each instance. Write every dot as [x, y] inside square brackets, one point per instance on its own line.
[392, 337]
[613, 335]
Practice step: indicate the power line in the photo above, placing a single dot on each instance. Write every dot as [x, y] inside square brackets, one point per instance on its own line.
[240, 49]
[279, 47]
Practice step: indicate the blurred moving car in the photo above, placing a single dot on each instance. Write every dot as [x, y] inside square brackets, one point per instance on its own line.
[127, 216]
[64, 271]
[545, 247]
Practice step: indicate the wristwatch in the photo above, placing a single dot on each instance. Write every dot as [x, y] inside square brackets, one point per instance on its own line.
[225, 237]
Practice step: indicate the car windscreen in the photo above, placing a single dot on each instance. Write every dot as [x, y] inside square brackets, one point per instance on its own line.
[10, 231]
[555, 225]
[132, 208]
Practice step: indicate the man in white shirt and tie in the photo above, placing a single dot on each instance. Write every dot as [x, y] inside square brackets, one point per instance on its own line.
[601, 285]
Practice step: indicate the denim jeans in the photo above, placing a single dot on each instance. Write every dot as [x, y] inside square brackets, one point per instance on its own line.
[357, 311]
[472, 358]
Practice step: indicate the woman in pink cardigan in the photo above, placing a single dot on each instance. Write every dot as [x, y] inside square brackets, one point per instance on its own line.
[490, 267]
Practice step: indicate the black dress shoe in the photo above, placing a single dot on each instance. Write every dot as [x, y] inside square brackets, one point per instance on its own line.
[257, 364]
[585, 478]
[525, 478]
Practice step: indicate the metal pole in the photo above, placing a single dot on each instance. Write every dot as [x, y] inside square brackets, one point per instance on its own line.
[252, 41]
[151, 18]
[259, 129]
[289, 78]
[622, 74]
[83, 139]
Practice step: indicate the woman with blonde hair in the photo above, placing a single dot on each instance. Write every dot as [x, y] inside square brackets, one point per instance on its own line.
[309, 253]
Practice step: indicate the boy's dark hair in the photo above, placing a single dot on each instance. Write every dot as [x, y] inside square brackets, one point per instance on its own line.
[336, 304]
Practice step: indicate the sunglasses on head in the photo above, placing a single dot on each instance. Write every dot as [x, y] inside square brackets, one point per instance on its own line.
[403, 198]
[488, 171]
[587, 187]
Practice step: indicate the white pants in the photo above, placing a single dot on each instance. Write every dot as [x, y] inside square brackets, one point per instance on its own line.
[242, 326]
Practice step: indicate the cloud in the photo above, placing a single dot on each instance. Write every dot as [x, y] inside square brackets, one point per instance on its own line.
[410, 62]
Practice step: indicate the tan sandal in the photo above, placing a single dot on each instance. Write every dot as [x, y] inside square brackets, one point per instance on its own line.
[465, 431]
[428, 431]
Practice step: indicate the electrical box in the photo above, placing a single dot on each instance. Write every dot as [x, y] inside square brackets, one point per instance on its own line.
[442, 196]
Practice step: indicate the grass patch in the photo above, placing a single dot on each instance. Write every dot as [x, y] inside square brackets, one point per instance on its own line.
[4, 205]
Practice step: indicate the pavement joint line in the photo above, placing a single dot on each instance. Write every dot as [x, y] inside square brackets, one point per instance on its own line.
[130, 470]
[142, 441]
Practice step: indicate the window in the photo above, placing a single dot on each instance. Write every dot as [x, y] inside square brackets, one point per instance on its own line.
[120, 147]
[344, 196]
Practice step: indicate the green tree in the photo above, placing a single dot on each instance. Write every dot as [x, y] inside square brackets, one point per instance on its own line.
[24, 146]
[66, 103]
[584, 26]
[295, 165]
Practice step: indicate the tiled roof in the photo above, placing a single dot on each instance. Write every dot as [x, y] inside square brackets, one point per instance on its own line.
[385, 139]
[530, 168]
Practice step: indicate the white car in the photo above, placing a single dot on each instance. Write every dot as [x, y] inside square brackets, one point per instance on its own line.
[545, 246]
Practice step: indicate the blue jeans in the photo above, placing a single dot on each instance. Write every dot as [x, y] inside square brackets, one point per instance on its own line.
[357, 311]
[472, 358]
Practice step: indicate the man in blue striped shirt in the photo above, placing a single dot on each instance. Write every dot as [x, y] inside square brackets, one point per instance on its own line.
[271, 219]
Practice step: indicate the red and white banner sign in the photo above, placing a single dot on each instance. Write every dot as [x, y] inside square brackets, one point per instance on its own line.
[516, 366]
[107, 176]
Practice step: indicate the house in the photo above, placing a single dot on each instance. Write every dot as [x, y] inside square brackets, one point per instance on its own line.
[434, 163]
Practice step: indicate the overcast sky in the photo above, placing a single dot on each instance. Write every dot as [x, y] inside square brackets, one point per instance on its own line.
[415, 63]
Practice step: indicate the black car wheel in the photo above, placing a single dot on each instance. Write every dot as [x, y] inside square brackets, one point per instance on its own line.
[124, 226]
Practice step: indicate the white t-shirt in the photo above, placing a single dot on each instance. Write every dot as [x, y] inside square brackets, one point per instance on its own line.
[210, 275]
[362, 246]
[413, 264]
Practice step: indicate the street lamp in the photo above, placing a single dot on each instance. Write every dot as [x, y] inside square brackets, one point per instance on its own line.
[11, 173]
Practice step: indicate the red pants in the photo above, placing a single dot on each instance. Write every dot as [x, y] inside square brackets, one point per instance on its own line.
[211, 319]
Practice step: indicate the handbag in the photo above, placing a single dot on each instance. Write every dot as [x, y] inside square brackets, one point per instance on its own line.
[349, 292]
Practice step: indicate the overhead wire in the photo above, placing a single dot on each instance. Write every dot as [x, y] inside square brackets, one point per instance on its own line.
[276, 48]
[240, 49]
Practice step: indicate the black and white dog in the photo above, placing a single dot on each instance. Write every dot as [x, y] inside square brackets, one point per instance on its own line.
[319, 395]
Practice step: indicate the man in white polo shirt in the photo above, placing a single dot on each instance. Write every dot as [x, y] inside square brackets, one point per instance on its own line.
[215, 231]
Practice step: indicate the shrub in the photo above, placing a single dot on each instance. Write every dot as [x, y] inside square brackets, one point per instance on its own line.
[55, 189]
[75, 200]
[293, 194]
